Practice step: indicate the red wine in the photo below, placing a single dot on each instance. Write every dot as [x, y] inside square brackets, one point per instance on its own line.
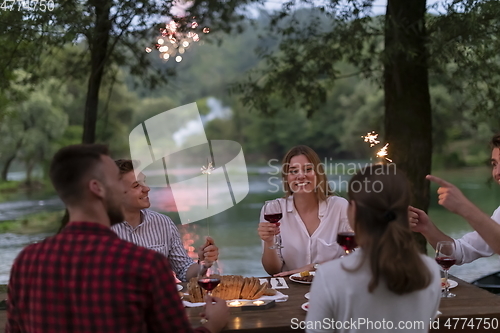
[208, 283]
[347, 240]
[273, 218]
[446, 262]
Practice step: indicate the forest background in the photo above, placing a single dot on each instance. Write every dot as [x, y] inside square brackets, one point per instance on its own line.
[320, 74]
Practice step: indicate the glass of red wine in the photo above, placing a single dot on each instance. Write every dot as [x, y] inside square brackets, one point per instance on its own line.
[445, 257]
[347, 240]
[345, 236]
[208, 277]
[273, 214]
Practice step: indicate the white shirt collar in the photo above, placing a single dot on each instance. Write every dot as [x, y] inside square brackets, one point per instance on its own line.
[321, 211]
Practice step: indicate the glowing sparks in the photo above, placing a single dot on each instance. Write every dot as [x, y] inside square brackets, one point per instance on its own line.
[207, 170]
[179, 34]
[382, 153]
[371, 138]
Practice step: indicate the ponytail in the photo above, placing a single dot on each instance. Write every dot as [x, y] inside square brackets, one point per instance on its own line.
[382, 227]
[395, 257]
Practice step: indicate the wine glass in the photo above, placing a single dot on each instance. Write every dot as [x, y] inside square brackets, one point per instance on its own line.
[345, 236]
[273, 214]
[445, 257]
[208, 277]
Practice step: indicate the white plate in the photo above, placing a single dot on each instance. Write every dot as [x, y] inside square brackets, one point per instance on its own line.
[306, 295]
[452, 283]
[179, 287]
[298, 275]
[305, 306]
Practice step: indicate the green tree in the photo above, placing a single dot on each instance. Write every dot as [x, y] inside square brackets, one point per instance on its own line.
[109, 32]
[32, 126]
[396, 51]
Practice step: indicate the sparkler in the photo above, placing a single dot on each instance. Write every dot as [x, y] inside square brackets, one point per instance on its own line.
[207, 170]
[371, 138]
[176, 38]
[383, 152]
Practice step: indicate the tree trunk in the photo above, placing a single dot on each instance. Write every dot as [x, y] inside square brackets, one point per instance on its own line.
[6, 166]
[408, 127]
[30, 165]
[98, 55]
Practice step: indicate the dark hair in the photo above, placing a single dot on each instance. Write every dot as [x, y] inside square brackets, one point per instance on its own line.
[322, 188]
[125, 166]
[382, 198]
[495, 141]
[69, 167]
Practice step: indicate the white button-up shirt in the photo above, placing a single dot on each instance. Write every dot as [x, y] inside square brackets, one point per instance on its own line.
[472, 246]
[300, 249]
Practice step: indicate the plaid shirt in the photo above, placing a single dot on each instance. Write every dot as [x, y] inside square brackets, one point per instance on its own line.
[86, 279]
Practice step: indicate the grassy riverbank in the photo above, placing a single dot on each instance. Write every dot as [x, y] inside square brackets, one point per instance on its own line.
[34, 223]
[13, 189]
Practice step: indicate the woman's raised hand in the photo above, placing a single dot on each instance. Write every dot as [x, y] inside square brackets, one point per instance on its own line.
[267, 231]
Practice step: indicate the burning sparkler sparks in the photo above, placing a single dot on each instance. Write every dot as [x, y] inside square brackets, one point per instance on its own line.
[371, 138]
[207, 170]
[382, 153]
[178, 34]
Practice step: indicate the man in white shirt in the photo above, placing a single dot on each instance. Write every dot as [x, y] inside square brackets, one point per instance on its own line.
[483, 242]
[156, 231]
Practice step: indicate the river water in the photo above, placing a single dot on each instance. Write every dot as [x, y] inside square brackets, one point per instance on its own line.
[235, 229]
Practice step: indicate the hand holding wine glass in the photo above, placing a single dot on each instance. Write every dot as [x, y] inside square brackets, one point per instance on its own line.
[208, 277]
[445, 257]
[273, 214]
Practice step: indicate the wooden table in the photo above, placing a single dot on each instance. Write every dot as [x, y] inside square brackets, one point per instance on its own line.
[470, 302]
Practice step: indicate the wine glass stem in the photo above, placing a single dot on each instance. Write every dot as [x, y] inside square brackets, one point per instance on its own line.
[446, 286]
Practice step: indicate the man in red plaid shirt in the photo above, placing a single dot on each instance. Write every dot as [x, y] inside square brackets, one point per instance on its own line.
[86, 279]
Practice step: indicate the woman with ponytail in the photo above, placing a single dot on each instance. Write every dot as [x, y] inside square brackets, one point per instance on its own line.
[386, 279]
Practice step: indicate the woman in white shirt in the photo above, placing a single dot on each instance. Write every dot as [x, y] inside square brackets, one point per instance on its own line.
[386, 284]
[312, 217]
